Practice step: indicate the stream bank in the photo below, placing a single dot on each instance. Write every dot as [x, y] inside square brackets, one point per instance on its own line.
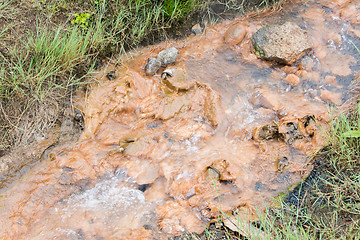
[164, 161]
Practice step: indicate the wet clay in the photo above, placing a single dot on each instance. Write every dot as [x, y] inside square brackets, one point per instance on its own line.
[160, 157]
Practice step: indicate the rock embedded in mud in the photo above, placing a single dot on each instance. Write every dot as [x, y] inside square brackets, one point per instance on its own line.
[212, 107]
[235, 34]
[152, 66]
[211, 174]
[223, 168]
[78, 116]
[168, 56]
[266, 132]
[281, 163]
[177, 79]
[292, 79]
[283, 43]
[290, 131]
[328, 96]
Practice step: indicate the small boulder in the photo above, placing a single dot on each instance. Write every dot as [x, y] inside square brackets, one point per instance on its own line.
[212, 174]
[152, 66]
[235, 34]
[168, 56]
[177, 79]
[283, 43]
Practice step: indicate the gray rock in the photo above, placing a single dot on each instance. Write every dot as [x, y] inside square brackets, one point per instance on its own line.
[282, 43]
[152, 66]
[168, 56]
[197, 29]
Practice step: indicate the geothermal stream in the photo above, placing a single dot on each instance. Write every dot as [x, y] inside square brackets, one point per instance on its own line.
[156, 161]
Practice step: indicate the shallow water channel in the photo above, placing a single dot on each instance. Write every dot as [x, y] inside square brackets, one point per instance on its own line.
[154, 162]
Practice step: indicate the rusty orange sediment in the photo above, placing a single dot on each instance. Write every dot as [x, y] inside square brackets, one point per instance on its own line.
[155, 161]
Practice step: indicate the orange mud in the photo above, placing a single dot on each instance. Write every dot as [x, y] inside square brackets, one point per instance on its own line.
[154, 162]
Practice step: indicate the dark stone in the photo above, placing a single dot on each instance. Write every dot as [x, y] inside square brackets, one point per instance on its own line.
[292, 133]
[67, 169]
[147, 227]
[111, 75]
[144, 187]
[78, 116]
[81, 234]
[152, 66]
[259, 187]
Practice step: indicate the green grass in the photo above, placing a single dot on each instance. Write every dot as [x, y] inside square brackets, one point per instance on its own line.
[49, 47]
[52, 44]
[46, 57]
[52, 57]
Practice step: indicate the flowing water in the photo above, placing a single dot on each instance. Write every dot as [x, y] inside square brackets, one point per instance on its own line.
[154, 162]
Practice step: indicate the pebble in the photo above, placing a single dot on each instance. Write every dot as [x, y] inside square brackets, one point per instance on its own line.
[111, 75]
[197, 29]
[235, 34]
[168, 56]
[152, 66]
[330, 79]
[293, 79]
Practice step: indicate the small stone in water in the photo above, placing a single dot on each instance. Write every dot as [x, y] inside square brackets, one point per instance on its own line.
[177, 79]
[266, 132]
[292, 79]
[152, 66]
[328, 96]
[235, 34]
[168, 56]
[144, 187]
[212, 174]
[111, 75]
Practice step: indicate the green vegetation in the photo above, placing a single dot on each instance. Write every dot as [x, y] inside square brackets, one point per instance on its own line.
[49, 47]
[37, 58]
[81, 19]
